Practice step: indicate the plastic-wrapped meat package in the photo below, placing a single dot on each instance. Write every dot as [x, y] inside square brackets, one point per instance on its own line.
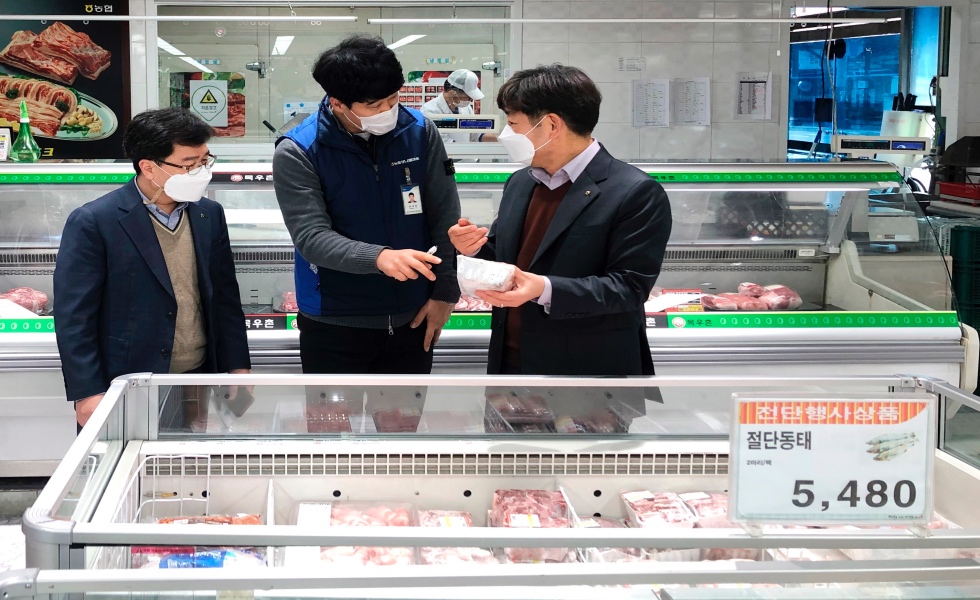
[472, 304]
[450, 556]
[602, 421]
[710, 509]
[341, 514]
[239, 519]
[397, 420]
[531, 509]
[29, 298]
[748, 288]
[287, 303]
[745, 302]
[518, 409]
[609, 554]
[475, 275]
[328, 416]
[718, 302]
[780, 297]
[661, 509]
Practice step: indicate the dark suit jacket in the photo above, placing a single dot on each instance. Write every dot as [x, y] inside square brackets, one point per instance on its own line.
[114, 306]
[602, 253]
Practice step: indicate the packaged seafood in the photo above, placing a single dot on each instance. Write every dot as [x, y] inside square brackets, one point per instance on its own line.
[448, 556]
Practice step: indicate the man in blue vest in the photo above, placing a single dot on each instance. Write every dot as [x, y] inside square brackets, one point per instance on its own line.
[366, 190]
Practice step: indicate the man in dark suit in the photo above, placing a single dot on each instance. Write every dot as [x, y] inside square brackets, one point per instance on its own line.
[145, 278]
[587, 233]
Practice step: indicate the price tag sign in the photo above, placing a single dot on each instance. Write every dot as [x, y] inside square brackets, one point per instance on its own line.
[821, 460]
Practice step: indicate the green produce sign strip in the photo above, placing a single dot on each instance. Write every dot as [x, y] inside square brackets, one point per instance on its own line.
[28, 325]
[469, 321]
[809, 320]
[723, 177]
[7, 178]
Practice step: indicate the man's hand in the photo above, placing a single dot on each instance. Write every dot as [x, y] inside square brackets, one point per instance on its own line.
[85, 407]
[435, 314]
[527, 287]
[407, 264]
[467, 237]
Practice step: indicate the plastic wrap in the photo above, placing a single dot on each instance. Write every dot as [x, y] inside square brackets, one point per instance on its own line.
[350, 514]
[29, 298]
[397, 420]
[660, 509]
[449, 556]
[714, 302]
[468, 303]
[531, 509]
[780, 297]
[748, 288]
[521, 409]
[476, 275]
[712, 513]
[188, 557]
[600, 421]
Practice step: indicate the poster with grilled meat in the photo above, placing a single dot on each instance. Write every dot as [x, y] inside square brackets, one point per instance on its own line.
[181, 92]
[73, 75]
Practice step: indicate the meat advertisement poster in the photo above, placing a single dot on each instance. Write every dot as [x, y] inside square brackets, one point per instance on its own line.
[219, 98]
[73, 75]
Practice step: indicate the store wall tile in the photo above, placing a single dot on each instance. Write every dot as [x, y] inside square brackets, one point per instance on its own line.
[605, 9]
[622, 140]
[975, 23]
[544, 54]
[601, 61]
[669, 61]
[616, 102]
[739, 140]
[662, 143]
[546, 32]
[973, 72]
[972, 102]
[722, 102]
[745, 32]
[731, 59]
[677, 32]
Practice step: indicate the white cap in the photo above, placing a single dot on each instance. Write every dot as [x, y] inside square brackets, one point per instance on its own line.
[466, 81]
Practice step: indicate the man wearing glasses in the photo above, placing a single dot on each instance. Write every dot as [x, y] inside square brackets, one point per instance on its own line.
[145, 278]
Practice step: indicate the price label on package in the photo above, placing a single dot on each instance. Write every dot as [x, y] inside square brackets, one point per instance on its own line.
[824, 460]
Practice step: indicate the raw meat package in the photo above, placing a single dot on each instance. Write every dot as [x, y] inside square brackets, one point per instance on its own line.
[748, 288]
[189, 557]
[712, 513]
[745, 302]
[475, 275]
[780, 297]
[521, 408]
[472, 304]
[397, 420]
[660, 509]
[720, 302]
[328, 416]
[531, 509]
[609, 554]
[241, 519]
[287, 303]
[600, 421]
[28, 298]
[350, 514]
[450, 556]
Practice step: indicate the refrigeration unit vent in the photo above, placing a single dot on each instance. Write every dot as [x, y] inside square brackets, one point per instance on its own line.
[28, 258]
[274, 256]
[743, 254]
[755, 268]
[264, 270]
[441, 464]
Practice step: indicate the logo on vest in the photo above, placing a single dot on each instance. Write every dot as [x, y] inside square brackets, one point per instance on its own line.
[406, 161]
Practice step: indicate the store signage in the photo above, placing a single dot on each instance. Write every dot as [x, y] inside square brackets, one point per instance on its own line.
[240, 177]
[818, 460]
[810, 320]
[209, 99]
[270, 322]
[82, 69]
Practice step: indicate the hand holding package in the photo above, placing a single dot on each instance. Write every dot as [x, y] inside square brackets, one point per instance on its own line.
[475, 275]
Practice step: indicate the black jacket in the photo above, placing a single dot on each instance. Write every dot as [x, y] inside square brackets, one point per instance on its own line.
[114, 306]
[602, 252]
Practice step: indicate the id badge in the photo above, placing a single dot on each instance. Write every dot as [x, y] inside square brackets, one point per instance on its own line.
[412, 199]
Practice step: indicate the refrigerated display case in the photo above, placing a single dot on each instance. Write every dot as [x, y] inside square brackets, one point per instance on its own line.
[132, 498]
[849, 238]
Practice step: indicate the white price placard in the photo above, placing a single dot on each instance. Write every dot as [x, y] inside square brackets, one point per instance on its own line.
[824, 460]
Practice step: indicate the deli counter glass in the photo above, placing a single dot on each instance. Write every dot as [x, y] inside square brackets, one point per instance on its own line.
[324, 490]
[848, 271]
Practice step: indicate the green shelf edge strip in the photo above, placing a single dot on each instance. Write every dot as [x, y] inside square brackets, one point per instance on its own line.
[710, 177]
[811, 320]
[703, 320]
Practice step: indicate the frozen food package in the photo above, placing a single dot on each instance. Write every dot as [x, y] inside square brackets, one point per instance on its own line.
[531, 509]
[660, 509]
[353, 514]
[157, 557]
[476, 275]
[521, 408]
[450, 556]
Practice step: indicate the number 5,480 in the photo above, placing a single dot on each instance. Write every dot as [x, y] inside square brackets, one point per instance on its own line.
[903, 494]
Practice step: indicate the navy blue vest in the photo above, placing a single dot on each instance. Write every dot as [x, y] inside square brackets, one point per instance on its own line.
[364, 201]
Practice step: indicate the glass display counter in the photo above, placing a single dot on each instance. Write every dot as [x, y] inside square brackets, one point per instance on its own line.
[348, 487]
[847, 239]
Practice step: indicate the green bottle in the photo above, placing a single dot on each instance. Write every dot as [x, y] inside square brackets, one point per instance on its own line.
[25, 149]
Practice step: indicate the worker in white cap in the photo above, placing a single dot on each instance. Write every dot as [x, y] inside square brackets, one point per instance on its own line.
[462, 87]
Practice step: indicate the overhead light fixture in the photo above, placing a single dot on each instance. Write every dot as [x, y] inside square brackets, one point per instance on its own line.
[195, 64]
[469, 21]
[183, 18]
[824, 27]
[807, 11]
[167, 47]
[408, 39]
[282, 44]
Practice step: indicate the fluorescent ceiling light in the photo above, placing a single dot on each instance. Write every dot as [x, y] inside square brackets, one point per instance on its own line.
[823, 27]
[165, 45]
[195, 64]
[187, 18]
[408, 39]
[804, 11]
[821, 20]
[282, 44]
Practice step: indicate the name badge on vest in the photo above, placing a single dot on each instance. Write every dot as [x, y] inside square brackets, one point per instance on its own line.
[412, 199]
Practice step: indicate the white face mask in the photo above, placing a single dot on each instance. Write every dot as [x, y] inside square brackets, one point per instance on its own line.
[520, 148]
[378, 124]
[187, 188]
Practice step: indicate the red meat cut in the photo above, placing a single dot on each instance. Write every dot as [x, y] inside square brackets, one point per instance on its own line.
[745, 302]
[718, 302]
[780, 297]
[21, 53]
[28, 298]
[748, 288]
[61, 41]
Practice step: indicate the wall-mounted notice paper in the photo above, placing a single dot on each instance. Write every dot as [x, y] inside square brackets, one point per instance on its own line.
[691, 101]
[651, 103]
[753, 97]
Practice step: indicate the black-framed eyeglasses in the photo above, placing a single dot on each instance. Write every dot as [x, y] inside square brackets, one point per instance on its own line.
[195, 169]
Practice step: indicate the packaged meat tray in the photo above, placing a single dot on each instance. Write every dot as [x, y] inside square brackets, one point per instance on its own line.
[350, 514]
[328, 416]
[287, 303]
[397, 420]
[29, 298]
[521, 408]
[780, 297]
[450, 556]
[609, 554]
[712, 513]
[660, 509]
[531, 509]
[600, 421]
[239, 519]
[475, 275]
